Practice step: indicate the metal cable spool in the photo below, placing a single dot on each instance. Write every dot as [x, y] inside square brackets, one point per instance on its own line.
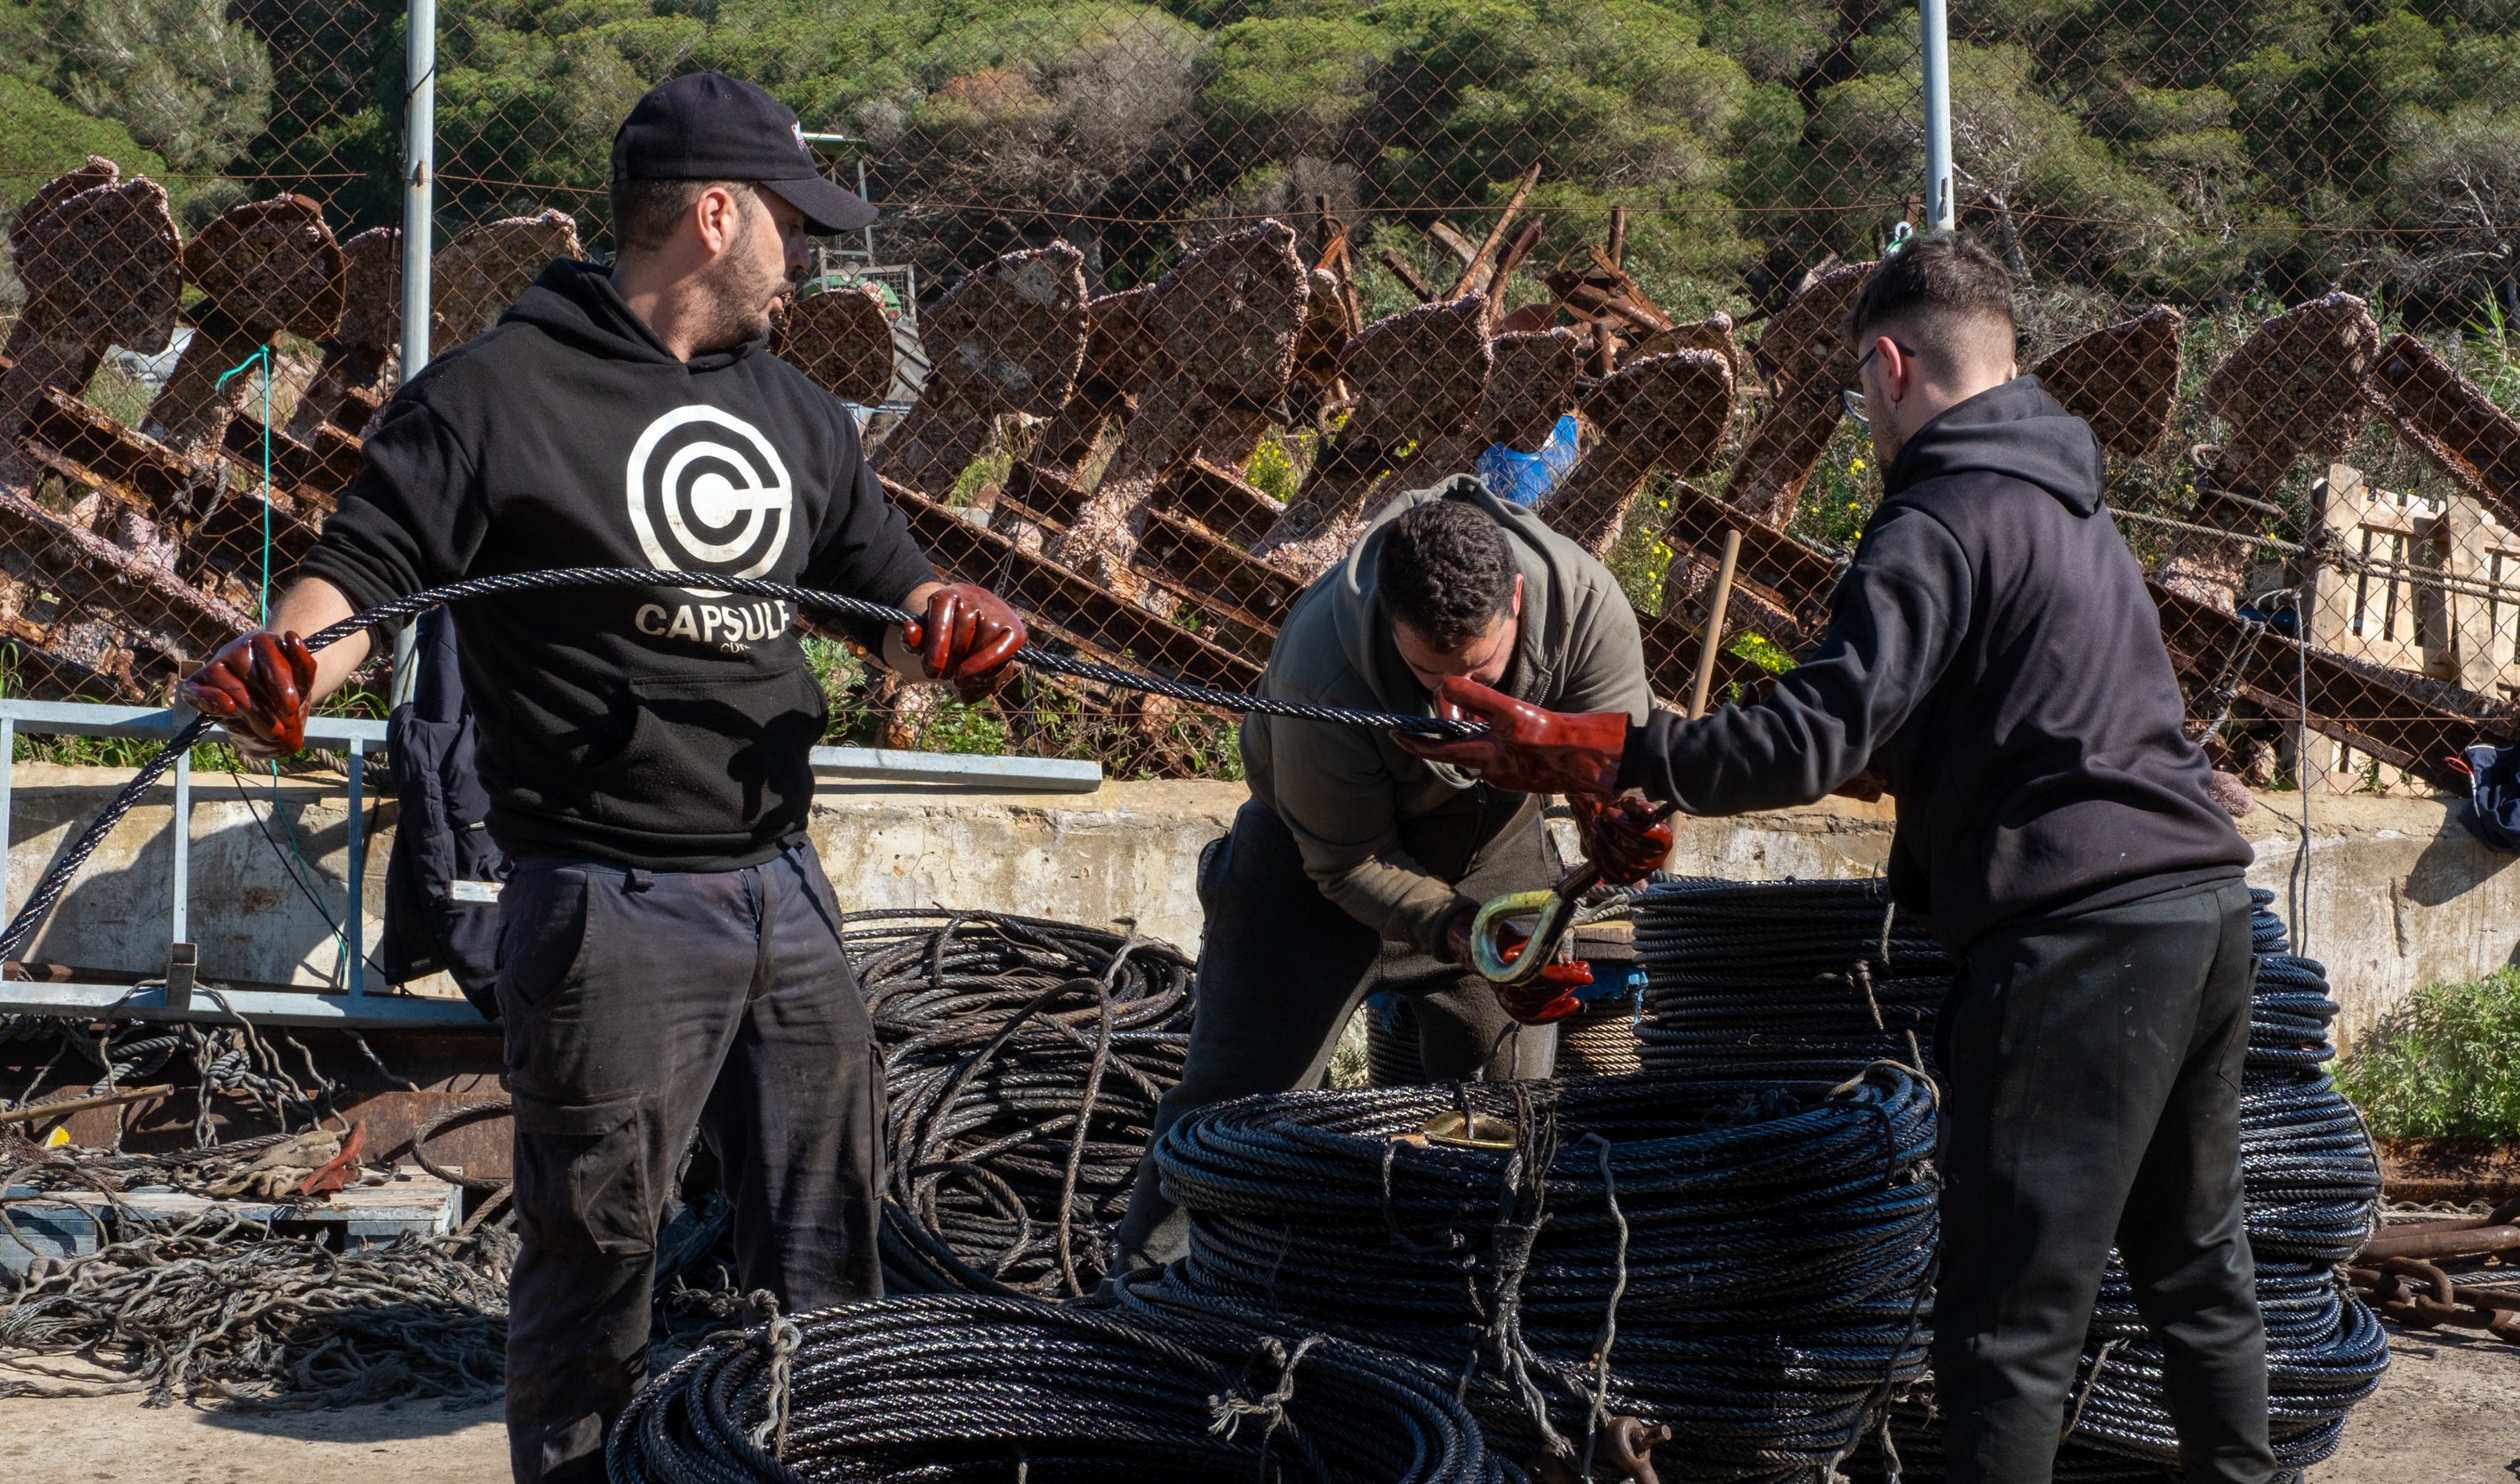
[1023, 1059]
[1799, 981]
[969, 1387]
[1754, 1263]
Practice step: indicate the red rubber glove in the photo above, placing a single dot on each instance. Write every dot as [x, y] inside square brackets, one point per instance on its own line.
[1527, 749]
[967, 637]
[1545, 998]
[1623, 837]
[259, 687]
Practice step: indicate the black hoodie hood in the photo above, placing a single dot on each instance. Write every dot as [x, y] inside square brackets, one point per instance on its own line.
[2015, 430]
[575, 303]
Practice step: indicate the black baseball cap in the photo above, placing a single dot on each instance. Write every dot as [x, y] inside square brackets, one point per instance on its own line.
[709, 126]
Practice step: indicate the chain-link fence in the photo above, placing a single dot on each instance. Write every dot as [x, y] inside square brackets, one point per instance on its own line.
[1254, 266]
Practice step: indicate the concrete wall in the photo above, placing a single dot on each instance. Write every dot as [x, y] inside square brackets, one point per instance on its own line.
[2400, 893]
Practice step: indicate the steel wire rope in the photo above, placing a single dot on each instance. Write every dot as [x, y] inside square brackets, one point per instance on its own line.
[48, 891]
[1023, 1059]
[1769, 1250]
[984, 1387]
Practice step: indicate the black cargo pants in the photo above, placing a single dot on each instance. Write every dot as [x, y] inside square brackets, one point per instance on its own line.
[1282, 968]
[2091, 1097]
[638, 1005]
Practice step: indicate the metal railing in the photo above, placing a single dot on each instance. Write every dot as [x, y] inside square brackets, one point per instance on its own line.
[171, 994]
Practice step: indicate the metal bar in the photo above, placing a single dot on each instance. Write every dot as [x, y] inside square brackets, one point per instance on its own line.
[79, 718]
[1023, 775]
[1935, 20]
[419, 171]
[122, 1002]
[182, 841]
[355, 912]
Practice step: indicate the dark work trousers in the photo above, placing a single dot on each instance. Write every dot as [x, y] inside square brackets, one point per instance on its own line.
[640, 1004]
[1282, 968]
[2090, 1096]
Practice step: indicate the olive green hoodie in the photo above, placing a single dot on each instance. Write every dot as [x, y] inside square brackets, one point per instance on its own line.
[1349, 795]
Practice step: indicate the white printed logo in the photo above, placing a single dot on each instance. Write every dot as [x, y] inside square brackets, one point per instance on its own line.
[709, 494]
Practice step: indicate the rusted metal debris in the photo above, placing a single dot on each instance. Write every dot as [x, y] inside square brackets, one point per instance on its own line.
[1713, 332]
[1531, 383]
[2122, 379]
[78, 602]
[1806, 364]
[1116, 349]
[2406, 721]
[2451, 421]
[474, 278]
[1416, 376]
[263, 267]
[1223, 324]
[2405, 1271]
[1783, 586]
[2294, 387]
[1664, 412]
[842, 341]
[1007, 338]
[98, 256]
[360, 355]
[1065, 607]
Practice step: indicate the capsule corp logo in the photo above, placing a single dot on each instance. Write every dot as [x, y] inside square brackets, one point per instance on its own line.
[708, 493]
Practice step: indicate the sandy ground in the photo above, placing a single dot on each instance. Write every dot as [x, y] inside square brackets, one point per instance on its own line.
[2448, 1414]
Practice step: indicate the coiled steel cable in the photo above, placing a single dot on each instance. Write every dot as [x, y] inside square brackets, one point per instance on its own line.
[56, 880]
[1773, 1251]
[967, 1386]
[1799, 981]
[1023, 1059]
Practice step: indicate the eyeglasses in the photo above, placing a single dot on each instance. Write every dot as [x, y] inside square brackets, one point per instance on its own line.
[1853, 401]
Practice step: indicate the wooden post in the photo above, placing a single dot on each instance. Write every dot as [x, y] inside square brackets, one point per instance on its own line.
[2467, 540]
[1712, 640]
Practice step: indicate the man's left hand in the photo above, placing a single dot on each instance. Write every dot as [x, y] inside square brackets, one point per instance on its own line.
[968, 636]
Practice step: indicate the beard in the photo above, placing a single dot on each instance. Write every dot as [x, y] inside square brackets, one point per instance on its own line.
[738, 291]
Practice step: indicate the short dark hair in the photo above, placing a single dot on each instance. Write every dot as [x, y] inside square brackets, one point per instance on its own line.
[645, 212]
[1939, 287]
[1445, 571]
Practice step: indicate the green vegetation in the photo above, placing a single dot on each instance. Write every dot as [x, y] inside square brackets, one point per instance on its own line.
[2448, 1066]
[2196, 152]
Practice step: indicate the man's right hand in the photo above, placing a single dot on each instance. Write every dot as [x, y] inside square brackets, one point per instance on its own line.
[259, 686]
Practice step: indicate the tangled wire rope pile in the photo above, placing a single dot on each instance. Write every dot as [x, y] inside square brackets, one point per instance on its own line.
[217, 1307]
[980, 1388]
[234, 1061]
[1803, 981]
[1744, 1264]
[1023, 1059]
[2311, 1182]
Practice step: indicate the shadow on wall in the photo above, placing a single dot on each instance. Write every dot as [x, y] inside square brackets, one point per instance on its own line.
[246, 907]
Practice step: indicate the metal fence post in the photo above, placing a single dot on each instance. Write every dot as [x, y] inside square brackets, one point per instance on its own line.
[354, 913]
[7, 784]
[1940, 209]
[419, 173]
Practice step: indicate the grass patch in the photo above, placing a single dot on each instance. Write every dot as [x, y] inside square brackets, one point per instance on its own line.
[2445, 1066]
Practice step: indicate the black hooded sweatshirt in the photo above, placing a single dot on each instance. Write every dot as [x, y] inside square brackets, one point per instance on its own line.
[1994, 649]
[662, 727]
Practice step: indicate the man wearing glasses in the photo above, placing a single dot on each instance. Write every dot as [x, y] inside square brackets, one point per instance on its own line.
[1994, 655]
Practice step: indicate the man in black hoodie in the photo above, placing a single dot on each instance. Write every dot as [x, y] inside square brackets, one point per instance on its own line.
[669, 951]
[1994, 656]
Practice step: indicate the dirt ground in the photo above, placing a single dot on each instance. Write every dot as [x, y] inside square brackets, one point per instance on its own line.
[2448, 1414]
